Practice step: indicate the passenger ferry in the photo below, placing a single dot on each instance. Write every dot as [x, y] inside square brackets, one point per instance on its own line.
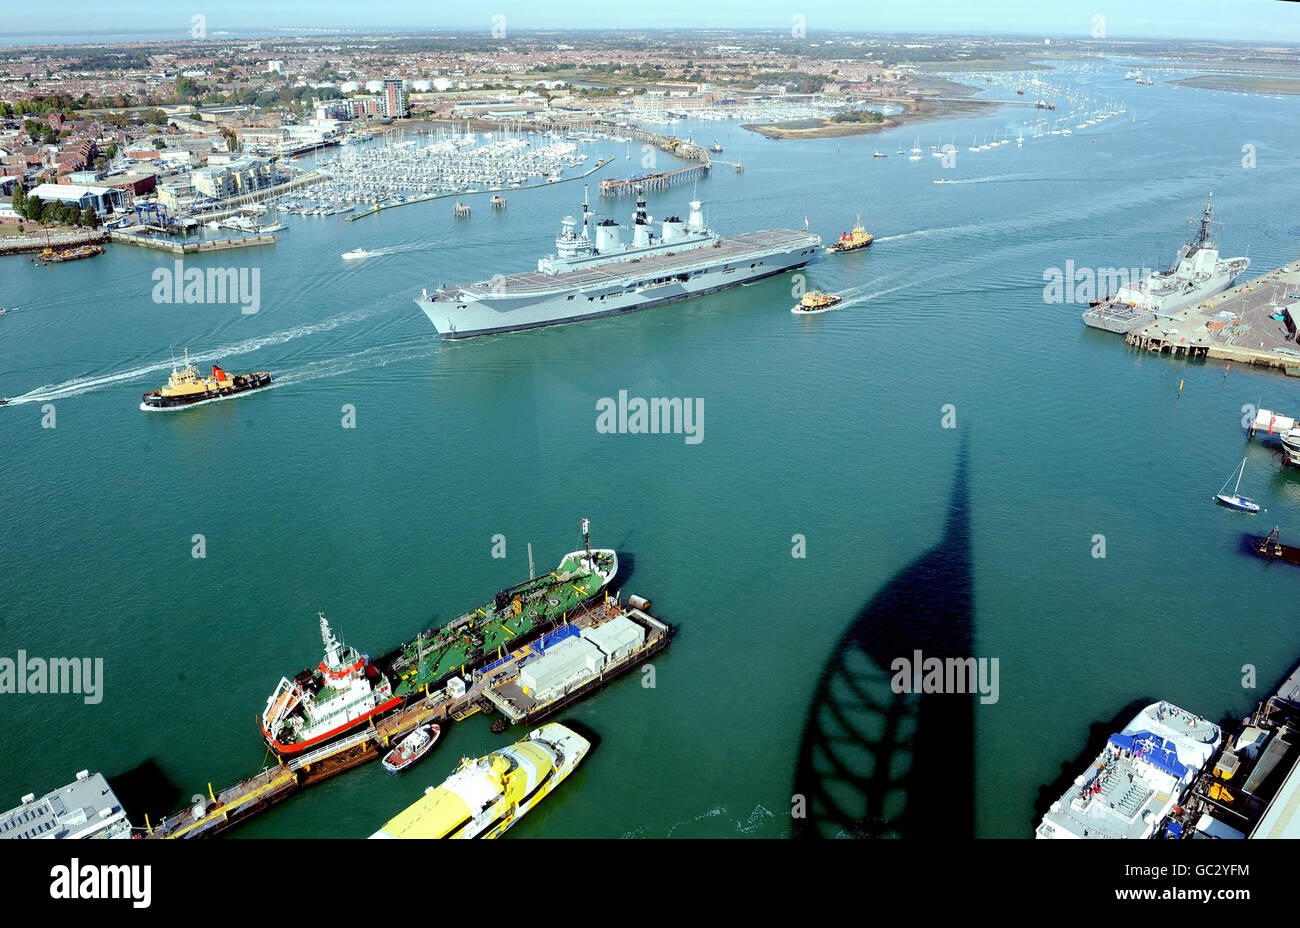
[1138, 780]
[486, 796]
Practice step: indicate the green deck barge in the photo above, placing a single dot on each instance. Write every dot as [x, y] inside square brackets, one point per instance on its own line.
[515, 615]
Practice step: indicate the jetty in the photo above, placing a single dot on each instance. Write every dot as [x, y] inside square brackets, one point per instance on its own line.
[202, 246]
[1252, 323]
[661, 180]
[483, 690]
[23, 244]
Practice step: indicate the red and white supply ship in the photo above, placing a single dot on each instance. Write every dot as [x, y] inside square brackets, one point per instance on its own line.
[342, 693]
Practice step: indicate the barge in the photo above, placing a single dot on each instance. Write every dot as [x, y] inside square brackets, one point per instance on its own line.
[574, 661]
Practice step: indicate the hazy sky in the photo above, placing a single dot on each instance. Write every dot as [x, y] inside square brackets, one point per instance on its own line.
[1123, 19]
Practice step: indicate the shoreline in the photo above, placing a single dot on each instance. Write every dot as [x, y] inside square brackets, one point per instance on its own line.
[958, 101]
[1241, 83]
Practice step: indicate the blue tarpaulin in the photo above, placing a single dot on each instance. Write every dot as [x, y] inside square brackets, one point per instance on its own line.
[1159, 752]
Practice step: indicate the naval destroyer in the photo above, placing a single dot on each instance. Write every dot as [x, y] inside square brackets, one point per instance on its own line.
[595, 272]
[1198, 273]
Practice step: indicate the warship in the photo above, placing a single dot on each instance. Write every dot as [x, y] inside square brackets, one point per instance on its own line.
[595, 272]
[348, 689]
[1197, 274]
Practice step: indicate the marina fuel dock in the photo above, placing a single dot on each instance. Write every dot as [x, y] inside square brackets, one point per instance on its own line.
[527, 684]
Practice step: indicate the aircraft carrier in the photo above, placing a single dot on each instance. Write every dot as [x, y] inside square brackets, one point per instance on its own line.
[600, 275]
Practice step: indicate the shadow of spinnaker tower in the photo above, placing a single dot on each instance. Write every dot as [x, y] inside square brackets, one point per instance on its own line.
[875, 763]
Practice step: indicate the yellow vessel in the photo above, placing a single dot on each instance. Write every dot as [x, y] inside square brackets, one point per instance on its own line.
[57, 256]
[484, 797]
[186, 387]
[852, 240]
[814, 301]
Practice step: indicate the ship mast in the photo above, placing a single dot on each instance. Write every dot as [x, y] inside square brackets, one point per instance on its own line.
[332, 644]
[1206, 223]
[586, 538]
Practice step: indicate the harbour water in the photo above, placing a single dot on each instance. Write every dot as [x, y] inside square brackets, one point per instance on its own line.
[828, 427]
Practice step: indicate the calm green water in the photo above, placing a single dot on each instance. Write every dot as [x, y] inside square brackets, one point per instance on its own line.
[827, 427]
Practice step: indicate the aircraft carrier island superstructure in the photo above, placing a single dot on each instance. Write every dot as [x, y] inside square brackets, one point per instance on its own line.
[603, 275]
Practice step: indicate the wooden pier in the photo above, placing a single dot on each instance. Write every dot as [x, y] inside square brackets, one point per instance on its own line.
[222, 811]
[661, 180]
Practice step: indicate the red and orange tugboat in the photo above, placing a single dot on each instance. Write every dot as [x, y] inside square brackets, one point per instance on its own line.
[851, 241]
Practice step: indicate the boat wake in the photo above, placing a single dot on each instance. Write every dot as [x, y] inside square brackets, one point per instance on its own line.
[91, 384]
[400, 249]
[366, 358]
[751, 823]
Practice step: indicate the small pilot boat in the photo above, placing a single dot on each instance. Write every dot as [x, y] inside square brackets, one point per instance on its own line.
[814, 301]
[411, 748]
[355, 254]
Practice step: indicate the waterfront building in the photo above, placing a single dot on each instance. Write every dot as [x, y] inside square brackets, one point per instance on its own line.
[102, 199]
[394, 99]
[85, 808]
[221, 181]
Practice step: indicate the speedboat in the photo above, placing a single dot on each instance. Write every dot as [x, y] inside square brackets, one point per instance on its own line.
[355, 254]
[411, 748]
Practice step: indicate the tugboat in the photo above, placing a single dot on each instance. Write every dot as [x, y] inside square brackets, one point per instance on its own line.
[186, 387]
[851, 241]
[814, 301]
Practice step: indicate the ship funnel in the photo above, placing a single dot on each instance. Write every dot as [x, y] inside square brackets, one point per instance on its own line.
[695, 221]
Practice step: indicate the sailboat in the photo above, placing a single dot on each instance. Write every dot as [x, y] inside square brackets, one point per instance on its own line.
[1235, 500]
